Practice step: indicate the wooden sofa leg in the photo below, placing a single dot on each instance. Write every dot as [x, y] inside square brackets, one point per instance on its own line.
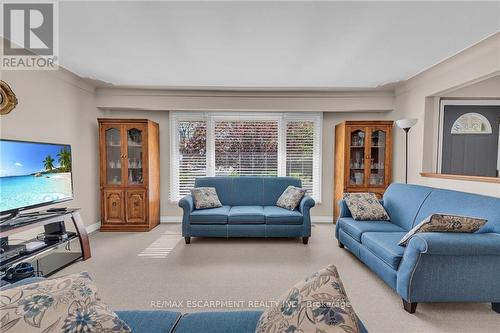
[495, 307]
[340, 244]
[187, 240]
[305, 240]
[409, 307]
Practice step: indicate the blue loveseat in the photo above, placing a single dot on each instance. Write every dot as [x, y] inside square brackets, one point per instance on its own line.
[433, 267]
[248, 210]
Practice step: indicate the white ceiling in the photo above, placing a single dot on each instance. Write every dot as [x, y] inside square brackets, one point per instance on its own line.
[266, 44]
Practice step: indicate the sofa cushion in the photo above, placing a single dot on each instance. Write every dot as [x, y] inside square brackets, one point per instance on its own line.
[385, 246]
[69, 303]
[356, 228]
[278, 215]
[149, 321]
[216, 322]
[365, 206]
[205, 197]
[318, 303]
[402, 202]
[210, 215]
[461, 203]
[291, 197]
[445, 223]
[246, 215]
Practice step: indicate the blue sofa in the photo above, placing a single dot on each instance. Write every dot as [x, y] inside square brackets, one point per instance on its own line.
[159, 321]
[248, 210]
[433, 267]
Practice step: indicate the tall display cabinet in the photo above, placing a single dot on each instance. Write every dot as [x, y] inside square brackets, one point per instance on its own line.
[130, 174]
[363, 158]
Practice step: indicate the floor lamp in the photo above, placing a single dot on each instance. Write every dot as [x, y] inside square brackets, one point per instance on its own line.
[406, 124]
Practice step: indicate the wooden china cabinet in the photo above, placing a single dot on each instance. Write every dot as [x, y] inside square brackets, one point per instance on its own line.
[130, 174]
[363, 158]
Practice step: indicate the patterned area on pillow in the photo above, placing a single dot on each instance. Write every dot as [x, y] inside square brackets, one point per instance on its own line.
[445, 223]
[365, 206]
[317, 304]
[66, 304]
[205, 197]
[291, 197]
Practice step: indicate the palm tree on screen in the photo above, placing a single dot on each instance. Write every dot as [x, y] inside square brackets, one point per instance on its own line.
[48, 163]
[65, 159]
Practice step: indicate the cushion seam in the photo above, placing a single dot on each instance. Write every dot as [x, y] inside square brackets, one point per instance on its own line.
[174, 327]
[419, 208]
[385, 262]
[394, 254]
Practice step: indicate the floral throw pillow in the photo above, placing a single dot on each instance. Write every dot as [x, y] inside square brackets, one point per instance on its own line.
[67, 304]
[445, 223]
[317, 304]
[205, 197]
[365, 206]
[291, 197]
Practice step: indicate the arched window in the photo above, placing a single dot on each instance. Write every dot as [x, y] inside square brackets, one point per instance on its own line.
[471, 123]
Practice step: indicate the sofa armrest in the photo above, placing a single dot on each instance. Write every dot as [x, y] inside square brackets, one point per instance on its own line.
[436, 267]
[343, 209]
[455, 244]
[187, 203]
[306, 203]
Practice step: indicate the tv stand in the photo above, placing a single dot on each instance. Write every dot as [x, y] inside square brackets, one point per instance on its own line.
[25, 222]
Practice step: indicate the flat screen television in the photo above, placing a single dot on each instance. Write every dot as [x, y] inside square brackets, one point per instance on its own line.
[33, 174]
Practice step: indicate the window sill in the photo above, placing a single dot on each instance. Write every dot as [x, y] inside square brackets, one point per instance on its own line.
[461, 177]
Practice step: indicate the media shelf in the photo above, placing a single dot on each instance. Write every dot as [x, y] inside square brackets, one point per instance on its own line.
[55, 254]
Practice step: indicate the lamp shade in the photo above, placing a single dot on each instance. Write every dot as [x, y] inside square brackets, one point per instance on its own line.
[406, 123]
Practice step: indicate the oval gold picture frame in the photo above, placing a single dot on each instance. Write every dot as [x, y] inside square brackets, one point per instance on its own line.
[8, 99]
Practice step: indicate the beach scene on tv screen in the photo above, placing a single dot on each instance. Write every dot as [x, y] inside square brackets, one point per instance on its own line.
[33, 173]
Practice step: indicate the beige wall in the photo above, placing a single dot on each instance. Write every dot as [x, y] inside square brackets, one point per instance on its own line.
[56, 106]
[60, 107]
[322, 212]
[459, 76]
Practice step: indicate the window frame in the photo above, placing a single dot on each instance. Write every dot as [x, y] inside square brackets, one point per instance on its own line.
[211, 117]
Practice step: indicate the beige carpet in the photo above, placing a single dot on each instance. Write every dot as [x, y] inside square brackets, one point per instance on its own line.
[134, 270]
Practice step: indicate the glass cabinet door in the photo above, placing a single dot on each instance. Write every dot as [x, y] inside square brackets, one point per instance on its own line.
[357, 157]
[114, 160]
[135, 154]
[378, 146]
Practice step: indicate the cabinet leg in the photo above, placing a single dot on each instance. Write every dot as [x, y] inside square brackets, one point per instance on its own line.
[187, 240]
[495, 307]
[340, 244]
[409, 307]
[305, 240]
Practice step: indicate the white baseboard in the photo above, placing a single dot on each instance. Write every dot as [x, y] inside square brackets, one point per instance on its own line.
[314, 219]
[322, 219]
[93, 227]
[170, 219]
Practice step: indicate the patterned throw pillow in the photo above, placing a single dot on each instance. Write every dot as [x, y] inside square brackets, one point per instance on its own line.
[205, 197]
[317, 304]
[365, 206]
[445, 223]
[291, 197]
[66, 304]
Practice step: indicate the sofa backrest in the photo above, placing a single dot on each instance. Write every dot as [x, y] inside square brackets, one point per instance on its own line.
[402, 202]
[248, 190]
[462, 203]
